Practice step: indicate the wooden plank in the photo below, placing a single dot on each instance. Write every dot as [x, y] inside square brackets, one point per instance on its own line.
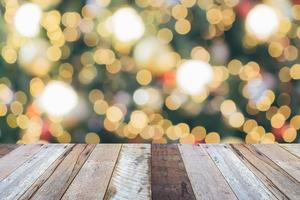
[204, 174]
[6, 148]
[93, 178]
[43, 178]
[16, 158]
[131, 177]
[21, 179]
[242, 181]
[287, 161]
[293, 148]
[281, 184]
[59, 180]
[169, 177]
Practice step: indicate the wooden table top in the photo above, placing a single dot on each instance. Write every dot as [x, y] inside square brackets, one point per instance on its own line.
[144, 171]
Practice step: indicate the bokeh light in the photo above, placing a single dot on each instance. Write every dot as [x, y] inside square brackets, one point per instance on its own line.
[262, 21]
[193, 75]
[127, 25]
[27, 19]
[58, 98]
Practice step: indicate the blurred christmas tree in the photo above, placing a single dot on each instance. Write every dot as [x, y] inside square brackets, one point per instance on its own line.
[157, 71]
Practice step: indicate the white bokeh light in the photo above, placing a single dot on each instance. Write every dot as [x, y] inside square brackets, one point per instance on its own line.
[141, 97]
[58, 98]
[262, 22]
[127, 25]
[32, 50]
[6, 94]
[27, 19]
[193, 75]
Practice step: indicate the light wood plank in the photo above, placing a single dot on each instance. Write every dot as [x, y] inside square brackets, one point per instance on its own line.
[93, 178]
[276, 179]
[43, 178]
[6, 148]
[169, 177]
[131, 177]
[293, 148]
[16, 158]
[21, 179]
[59, 180]
[204, 174]
[242, 181]
[287, 161]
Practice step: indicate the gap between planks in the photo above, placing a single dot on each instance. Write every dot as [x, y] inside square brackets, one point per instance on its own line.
[14, 185]
[270, 174]
[94, 176]
[63, 169]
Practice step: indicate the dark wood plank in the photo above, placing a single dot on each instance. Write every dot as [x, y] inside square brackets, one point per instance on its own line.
[204, 174]
[293, 148]
[59, 180]
[169, 177]
[284, 159]
[13, 186]
[281, 184]
[242, 181]
[6, 148]
[92, 180]
[16, 158]
[131, 177]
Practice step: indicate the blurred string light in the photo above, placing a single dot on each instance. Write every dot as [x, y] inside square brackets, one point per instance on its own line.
[147, 43]
[153, 54]
[193, 75]
[262, 21]
[6, 94]
[149, 97]
[27, 19]
[257, 88]
[127, 25]
[33, 57]
[58, 98]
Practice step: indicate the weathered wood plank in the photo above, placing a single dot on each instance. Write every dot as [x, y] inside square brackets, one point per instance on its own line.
[59, 180]
[21, 179]
[169, 177]
[242, 181]
[6, 148]
[131, 177]
[16, 158]
[293, 148]
[204, 174]
[43, 178]
[284, 159]
[112, 172]
[276, 179]
[93, 178]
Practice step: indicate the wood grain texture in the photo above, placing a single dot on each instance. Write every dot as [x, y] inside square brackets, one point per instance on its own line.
[16, 158]
[199, 167]
[142, 171]
[6, 148]
[57, 183]
[169, 177]
[242, 181]
[292, 148]
[93, 178]
[287, 161]
[281, 184]
[21, 179]
[131, 177]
